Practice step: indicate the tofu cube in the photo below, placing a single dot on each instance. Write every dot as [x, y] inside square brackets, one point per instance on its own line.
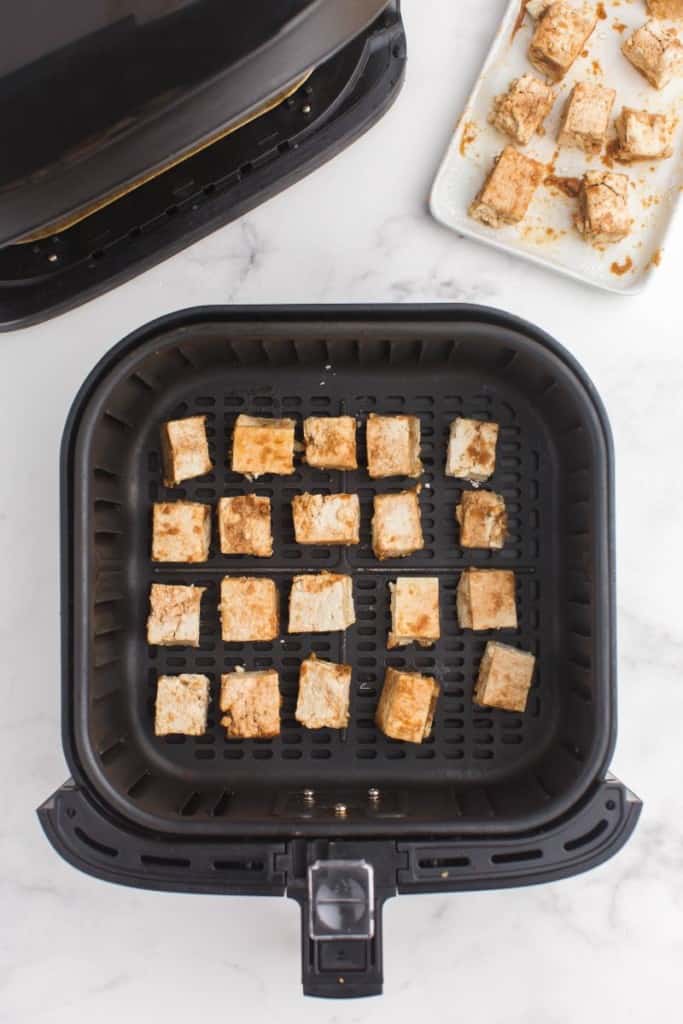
[521, 111]
[504, 677]
[182, 705]
[482, 518]
[603, 216]
[249, 609]
[561, 34]
[486, 599]
[644, 136]
[324, 693]
[330, 442]
[181, 531]
[672, 9]
[326, 518]
[184, 450]
[396, 525]
[472, 450]
[393, 446]
[656, 51]
[250, 702]
[508, 190]
[414, 611]
[321, 604]
[174, 615]
[262, 446]
[586, 117]
[244, 526]
[407, 705]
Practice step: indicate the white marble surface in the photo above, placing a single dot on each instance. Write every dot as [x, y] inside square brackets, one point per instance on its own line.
[604, 947]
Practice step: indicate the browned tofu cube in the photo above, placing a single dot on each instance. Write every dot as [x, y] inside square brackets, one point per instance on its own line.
[396, 525]
[672, 9]
[414, 611]
[486, 599]
[586, 117]
[174, 615]
[603, 216]
[407, 705]
[250, 702]
[521, 111]
[472, 450]
[182, 705]
[508, 190]
[644, 136]
[262, 446]
[324, 693]
[393, 444]
[181, 531]
[184, 450]
[504, 677]
[321, 603]
[244, 526]
[326, 518]
[561, 34]
[482, 518]
[249, 609]
[656, 51]
[330, 442]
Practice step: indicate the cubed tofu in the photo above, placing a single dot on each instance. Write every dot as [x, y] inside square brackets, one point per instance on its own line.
[508, 190]
[262, 446]
[244, 526]
[396, 525]
[320, 604]
[330, 442]
[521, 111]
[672, 9]
[393, 445]
[656, 51]
[504, 677]
[482, 518]
[407, 705]
[537, 8]
[249, 609]
[472, 449]
[324, 694]
[603, 216]
[486, 599]
[326, 518]
[185, 450]
[414, 611]
[560, 36]
[182, 705]
[250, 702]
[181, 531]
[174, 615]
[586, 117]
[644, 136]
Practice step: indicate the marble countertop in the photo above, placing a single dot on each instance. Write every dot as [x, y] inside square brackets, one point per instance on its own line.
[606, 946]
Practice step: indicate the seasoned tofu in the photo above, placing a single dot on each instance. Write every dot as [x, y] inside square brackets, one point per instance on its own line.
[414, 611]
[472, 450]
[407, 705]
[656, 51]
[320, 604]
[244, 526]
[521, 111]
[174, 615]
[326, 518]
[508, 190]
[393, 444]
[486, 599]
[181, 531]
[330, 442]
[249, 609]
[262, 446]
[644, 136]
[185, 450]
[672, 9]
[324, 693]
[537, 8]
[603, 216]
[586, 117]
[504, 677]
[250, 702]
[482, 518]
[182, 705]
[396, 525]
[561, 34]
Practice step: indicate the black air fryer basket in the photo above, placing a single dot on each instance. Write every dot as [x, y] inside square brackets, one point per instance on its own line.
[340, 821]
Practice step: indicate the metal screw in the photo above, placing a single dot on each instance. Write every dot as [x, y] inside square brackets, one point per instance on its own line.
[373, 794]
[306, 109]
[53, 257]
[309, 796]
[340, 810]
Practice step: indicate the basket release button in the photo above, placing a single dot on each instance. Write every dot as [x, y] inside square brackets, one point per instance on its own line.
[341, 900]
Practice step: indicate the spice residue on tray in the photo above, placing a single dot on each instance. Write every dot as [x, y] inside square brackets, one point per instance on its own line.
[469, 135]
[619, 269]
[602, 13]
[656, 259]
[520, 18]
[597, 67]
[568, 186]
[619, 26]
